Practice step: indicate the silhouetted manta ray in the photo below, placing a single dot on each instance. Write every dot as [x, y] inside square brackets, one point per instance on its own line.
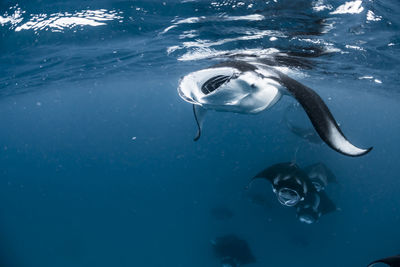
[244, 87]
[306, 133]
[232, 251]
[393, 261]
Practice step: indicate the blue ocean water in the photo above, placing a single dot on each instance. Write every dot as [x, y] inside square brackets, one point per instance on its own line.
[98, 166]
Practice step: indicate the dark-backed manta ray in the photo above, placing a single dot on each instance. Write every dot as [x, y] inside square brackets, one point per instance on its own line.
[244, 87]
[306, 133]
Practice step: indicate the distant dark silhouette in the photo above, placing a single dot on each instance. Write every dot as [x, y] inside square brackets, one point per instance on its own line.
[232, 251]
[307, 133]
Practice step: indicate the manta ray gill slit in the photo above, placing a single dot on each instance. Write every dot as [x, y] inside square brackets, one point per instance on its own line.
[214, 83]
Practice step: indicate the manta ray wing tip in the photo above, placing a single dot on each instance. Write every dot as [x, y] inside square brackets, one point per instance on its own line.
[361, 153]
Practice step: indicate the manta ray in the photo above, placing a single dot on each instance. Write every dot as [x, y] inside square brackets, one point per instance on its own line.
[251, 87]
[393, 261]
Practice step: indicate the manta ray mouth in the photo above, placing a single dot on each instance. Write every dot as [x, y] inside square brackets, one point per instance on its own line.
[214, 83]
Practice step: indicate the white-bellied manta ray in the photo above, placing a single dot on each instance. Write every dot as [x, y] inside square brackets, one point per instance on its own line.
[251, 87]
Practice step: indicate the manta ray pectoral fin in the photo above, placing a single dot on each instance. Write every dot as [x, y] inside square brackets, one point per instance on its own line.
[326, 204]
[321, 118]
[199, 112]
[275, 170]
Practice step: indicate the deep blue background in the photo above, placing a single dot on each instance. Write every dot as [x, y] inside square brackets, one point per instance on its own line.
[97, 162]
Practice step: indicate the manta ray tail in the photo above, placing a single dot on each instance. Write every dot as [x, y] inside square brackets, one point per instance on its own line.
[321, 118]
[199, 114]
